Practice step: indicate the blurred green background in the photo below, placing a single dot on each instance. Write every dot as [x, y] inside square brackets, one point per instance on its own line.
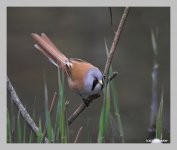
[79, 32]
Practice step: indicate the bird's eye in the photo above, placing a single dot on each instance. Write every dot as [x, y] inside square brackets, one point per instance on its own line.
[95, 81]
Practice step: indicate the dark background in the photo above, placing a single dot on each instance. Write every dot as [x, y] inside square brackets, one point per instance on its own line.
[79, 32]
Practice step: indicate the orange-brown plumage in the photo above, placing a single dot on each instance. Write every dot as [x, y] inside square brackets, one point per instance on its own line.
[83, 77]
[78, 72]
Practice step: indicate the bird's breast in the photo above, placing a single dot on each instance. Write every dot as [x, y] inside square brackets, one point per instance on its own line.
[78, 74]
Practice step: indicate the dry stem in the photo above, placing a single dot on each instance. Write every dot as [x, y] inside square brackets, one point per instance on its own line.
[78, 133]
[22, 110]
[107, 66]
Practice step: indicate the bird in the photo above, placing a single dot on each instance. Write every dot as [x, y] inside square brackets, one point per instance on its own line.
[83, 78]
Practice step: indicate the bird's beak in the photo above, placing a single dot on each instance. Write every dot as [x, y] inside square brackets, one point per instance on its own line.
[100, 82]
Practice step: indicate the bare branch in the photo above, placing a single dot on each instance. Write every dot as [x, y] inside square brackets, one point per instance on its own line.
[76, 113]
[107, 66]
[115, 41]
[21, 108]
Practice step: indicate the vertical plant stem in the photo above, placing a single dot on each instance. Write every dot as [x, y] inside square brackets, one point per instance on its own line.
[9, 133]
[117, 112]
[104, 117]
[159, 129]
[63, 126]
[50, 112]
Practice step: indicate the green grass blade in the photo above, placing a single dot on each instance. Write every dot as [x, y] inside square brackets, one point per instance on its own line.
[61, 121]
[56, 128]
[104, 117]
[113, 129]
[57, 135]
[49, 127]
[9, 134]
[40, 135]
[31, 137]
[115, 100]
[50, 134]
[101, 128]
[47, 115]
[24, 132]
[12, 119]
[159, 119]
[19, 132]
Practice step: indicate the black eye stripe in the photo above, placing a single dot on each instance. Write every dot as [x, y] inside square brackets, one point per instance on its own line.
[95, 82]
[102, 85]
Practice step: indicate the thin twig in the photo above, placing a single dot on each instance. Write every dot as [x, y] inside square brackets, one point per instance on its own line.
[107, 66]
[110, 10]
[50, 112]
[80, 109]
[115, 41]
[114, 74]
[76, 113]
[21, 108]
[78, 133]
[53, 102]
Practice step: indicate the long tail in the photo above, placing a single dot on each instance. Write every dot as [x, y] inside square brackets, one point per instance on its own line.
[47, 47]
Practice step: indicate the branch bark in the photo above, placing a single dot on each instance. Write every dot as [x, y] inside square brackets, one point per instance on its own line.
[82, 107]
[115, 41]
[21, 108]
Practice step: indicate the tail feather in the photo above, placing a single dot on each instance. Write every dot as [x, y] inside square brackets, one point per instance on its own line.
[46, 54]
[46, 38]
[46, 46]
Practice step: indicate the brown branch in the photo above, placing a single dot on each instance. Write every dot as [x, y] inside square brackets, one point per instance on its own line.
[114, 74]
[115, 41]
[22, 110]
[81, 108]
[76, 113]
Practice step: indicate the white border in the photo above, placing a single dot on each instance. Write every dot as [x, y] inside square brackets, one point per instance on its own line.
[88, 2]
[55, 3]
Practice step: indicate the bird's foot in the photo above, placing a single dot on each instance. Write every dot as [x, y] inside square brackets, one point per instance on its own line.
[90, 99]
[86, 102]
